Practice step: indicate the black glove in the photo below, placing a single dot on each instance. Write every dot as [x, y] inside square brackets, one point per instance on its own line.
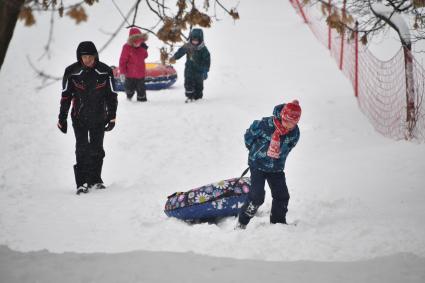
[62, 126]
[143, 45]
[110, 125]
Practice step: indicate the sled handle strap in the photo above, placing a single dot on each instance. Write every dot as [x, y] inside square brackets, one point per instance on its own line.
[243, 174]
[175, 194]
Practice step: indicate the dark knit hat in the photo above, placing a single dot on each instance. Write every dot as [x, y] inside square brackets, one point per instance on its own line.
[86, 48]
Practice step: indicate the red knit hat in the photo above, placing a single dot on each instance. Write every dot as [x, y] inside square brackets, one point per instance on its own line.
[291, 112]
[134, 31]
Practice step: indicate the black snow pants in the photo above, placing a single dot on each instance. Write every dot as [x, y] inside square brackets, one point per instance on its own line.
[135, 85]
[256, 195]
[194, 86]
[89, 154]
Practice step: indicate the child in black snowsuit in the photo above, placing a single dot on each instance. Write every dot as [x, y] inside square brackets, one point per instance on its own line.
[197, 64]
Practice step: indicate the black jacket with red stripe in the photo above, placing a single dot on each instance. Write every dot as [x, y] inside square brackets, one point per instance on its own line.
[91, 91]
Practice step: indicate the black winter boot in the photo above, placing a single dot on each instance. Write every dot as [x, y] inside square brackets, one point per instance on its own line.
[275, 220]
[248, 211]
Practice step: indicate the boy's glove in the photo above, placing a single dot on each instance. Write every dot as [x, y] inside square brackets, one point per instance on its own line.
[205, 75]
[172, 60]
[110, 125]
[62, 126]
[143, 45]
[122, 78]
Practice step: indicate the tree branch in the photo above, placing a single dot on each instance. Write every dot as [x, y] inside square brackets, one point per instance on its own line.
[50, 38]
[154, 11]
[135, 12]
[47, 79]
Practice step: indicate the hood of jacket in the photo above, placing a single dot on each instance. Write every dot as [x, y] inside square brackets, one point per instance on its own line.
[135, 34]
[198, 34]
[87, 48]
[277, 109]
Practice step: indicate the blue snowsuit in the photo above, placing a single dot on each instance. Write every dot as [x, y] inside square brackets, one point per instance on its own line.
[263, 167]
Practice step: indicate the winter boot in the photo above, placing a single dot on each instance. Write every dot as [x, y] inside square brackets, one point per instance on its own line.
[240, 226]
[142, 97]
[98, 186]
[82, 189]
[129, 95]
[248, 211]
[275, 220]
[94, 177]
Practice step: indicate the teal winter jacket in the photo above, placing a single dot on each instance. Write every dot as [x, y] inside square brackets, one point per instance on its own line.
[257, 140]
[198, 58]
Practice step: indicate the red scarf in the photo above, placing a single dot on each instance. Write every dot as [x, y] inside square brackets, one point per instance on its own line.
[274, 147]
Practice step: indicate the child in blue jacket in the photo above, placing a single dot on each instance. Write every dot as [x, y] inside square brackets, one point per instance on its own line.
[269, 142]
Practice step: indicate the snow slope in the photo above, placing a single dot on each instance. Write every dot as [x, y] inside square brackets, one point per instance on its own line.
[355, 194]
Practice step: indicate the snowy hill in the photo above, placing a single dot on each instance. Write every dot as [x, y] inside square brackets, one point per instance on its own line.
[356, 195]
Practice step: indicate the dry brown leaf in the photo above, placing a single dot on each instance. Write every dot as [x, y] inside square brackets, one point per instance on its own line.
[334, 21]
[78, 14]
[195, 17]
[60, 10]
[27, 16]
[181, 4]
[90, 2]
[325, 9]
[169, 32]
[364, 39]
[234, 14]
[163, 55]
[418, 3]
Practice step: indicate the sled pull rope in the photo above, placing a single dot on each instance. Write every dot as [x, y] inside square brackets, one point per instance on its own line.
[230, 192]
[243, 174]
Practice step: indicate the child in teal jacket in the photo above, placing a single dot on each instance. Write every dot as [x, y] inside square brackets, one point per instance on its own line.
[269, 142]
[197, 64]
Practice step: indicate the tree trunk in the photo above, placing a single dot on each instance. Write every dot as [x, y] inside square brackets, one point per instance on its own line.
[9, 11]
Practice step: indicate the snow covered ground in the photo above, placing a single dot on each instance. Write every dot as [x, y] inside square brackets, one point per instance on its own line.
[158, 267]
[357, 196]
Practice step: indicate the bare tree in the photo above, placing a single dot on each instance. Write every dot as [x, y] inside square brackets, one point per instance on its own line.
[9, 11]
[371, 22]
[170, 32]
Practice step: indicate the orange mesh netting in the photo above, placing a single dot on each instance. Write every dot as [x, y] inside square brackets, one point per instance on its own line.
[380, 86]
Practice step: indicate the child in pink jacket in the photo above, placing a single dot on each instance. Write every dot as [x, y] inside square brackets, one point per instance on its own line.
[132, 64]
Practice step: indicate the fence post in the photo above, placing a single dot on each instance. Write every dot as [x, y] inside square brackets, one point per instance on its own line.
[341, 55]
[329, 27]
[301, 11]
[410, 91]
[356, 63]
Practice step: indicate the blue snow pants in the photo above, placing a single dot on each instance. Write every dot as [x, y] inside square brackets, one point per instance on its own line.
[256, 195]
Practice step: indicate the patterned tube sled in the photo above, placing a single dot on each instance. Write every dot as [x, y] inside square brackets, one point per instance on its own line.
[210, 202]
[158, 77]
